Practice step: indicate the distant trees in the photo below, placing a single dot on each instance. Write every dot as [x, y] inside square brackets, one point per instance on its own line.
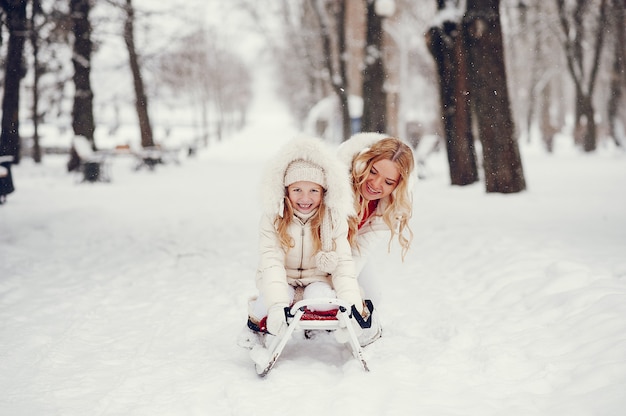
[326, 48]
[562, 57]
[309, 53]
[60, 35]
[212, 78]
[538, 92]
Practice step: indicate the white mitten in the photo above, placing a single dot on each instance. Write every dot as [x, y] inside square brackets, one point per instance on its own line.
[276, 321]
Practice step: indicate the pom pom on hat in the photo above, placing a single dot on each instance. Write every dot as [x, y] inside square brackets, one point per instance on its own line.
[302, 170]
[326, 261]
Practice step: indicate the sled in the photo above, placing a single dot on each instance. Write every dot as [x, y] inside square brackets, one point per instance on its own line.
[299, 317]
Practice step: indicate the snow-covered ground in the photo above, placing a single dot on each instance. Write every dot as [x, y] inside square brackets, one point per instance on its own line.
[126, 298]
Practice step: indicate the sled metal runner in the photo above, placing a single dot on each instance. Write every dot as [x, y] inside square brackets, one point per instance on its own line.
[299, 316]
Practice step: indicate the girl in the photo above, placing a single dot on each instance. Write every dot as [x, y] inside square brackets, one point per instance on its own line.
[303, 233]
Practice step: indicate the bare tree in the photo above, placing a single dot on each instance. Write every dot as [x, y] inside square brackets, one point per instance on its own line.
[583, 71]
[374, 95]
[141, 99]
[82, 113]
[618, 73]
[338, 78]
[447, 48]
[37, 69]
[489, 95]
[15, 70]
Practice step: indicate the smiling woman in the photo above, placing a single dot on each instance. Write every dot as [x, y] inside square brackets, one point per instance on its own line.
[381, 168]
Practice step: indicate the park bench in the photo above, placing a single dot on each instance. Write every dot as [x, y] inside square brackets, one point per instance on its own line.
[150, 157]
[6, 180]
[93, 165]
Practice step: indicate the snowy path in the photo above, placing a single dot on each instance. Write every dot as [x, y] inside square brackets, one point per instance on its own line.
[127, 298]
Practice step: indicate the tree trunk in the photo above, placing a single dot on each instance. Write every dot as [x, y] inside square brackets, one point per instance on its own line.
[34, 40]
[585, 129]
[374, 95]
[14, 72]
[82, 112]
[446, 46]
[546, 124]
[587, 123]
[141, 100]
[340, 17]
[488, 92]
[618, 72]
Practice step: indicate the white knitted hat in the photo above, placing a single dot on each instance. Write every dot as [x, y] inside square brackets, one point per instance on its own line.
[303, 170]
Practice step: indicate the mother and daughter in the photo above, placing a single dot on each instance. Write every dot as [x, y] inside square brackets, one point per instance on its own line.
[324, 215]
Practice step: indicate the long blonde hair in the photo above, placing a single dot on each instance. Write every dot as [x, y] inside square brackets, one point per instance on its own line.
[282, 226]
[399, 205]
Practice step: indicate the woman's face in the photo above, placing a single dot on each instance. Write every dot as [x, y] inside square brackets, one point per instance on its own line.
[305, 196]
[381, 180]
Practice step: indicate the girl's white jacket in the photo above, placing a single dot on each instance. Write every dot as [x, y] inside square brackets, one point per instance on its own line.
[297, 267]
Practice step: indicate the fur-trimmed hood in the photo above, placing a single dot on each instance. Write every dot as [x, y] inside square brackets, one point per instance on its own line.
[338, 197]
[357, 143]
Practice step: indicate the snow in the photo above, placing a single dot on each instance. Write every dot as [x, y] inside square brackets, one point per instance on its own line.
[126, 298]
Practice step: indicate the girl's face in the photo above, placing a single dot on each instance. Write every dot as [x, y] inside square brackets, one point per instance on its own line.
[381, 180]
[305, 196]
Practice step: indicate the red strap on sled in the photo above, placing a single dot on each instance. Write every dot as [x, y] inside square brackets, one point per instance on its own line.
[310, 315]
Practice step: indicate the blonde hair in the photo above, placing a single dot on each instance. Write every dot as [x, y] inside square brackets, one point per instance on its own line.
[282, 226]
[399, 207]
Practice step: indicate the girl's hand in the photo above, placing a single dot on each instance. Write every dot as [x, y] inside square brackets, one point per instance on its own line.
[276, 320]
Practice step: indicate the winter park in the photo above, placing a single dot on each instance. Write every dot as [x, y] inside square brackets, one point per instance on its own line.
[125, 282]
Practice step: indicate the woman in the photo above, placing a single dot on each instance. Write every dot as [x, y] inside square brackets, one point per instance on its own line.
[381, 168]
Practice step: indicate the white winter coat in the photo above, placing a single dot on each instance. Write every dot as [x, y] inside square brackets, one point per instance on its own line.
[372, 235]
[371, 238]
[297, 267]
